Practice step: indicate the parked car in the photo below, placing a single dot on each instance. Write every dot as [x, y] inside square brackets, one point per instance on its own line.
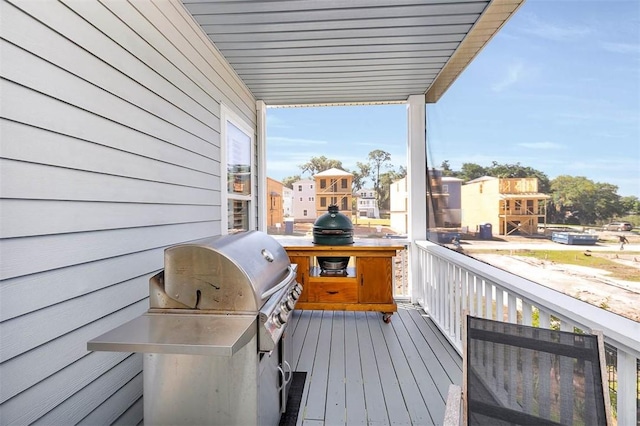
[617, 226]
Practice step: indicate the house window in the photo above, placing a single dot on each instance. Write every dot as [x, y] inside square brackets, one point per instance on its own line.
[304, 213]
[323, 201]
[334, 185]
[445, 188]
[300, 198]
[310, 198]
[345, 206]
[343, 183]
[299, 188]
[334, 200]
[323, 183]
[311, 186]
[238, 157]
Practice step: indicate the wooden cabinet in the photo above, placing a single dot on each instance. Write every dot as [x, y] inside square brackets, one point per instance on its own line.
[367, 284]
[376, 279]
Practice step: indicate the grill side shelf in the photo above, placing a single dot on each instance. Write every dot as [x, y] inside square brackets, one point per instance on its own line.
[219, 335]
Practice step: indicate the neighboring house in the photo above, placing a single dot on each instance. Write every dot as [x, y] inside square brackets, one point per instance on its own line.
[398, 206]
[366, 203]
[436, 199]
[452, 212]
[303, 204]
[509, 205]
[275, 202]
[333, 186]
[287, 201]
[443, 202]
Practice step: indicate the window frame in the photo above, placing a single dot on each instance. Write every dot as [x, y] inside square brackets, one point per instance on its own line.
[229, 118]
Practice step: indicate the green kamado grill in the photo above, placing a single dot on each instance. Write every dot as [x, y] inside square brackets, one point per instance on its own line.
[333, 229]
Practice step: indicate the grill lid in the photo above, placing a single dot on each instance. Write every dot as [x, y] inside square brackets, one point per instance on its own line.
[235, 272]
[333, 228]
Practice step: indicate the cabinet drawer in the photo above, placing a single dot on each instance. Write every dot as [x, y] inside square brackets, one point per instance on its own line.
[346, 292]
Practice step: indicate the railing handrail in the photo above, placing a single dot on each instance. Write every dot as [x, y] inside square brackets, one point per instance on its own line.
[618, 330]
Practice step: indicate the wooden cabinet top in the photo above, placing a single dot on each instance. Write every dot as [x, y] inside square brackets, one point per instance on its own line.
[358, 246]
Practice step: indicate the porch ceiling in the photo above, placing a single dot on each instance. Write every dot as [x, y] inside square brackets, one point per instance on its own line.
[310, 52]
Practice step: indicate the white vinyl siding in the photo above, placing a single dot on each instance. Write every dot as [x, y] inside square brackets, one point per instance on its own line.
[110, 124]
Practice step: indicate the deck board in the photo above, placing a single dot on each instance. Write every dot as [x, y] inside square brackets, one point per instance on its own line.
[448, 359]
[356, 411]
[318, 380]
[301, 323]
[415, 401]
[336, 392]
[373, 395]
[395, 403]
[308, 356]
[423, 338]
[363, 371]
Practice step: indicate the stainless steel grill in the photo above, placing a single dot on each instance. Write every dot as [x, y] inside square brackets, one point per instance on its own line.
[214, 338]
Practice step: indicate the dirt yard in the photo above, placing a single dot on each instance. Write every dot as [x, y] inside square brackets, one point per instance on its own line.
[591, 285]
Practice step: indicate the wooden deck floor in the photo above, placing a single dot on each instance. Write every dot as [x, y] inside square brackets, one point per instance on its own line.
[363, 371]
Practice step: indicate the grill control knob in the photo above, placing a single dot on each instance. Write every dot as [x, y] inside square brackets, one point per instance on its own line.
[279, 318]
[290, 303]
[282, 317]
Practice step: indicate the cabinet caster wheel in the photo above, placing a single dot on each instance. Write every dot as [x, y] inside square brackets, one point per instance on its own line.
[386, 318]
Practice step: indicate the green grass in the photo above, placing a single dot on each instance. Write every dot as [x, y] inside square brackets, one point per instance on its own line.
[368, 221]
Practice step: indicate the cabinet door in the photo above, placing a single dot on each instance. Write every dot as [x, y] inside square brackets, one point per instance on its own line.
[303, 275]
[375, 280]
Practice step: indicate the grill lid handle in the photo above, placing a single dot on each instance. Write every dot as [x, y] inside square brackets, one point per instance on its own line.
[281, 284]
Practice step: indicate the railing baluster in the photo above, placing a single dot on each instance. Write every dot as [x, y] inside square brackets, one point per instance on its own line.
[499, 304]
[480, 288]
[526, 313]
[457, 304]
[488, 300]
[544, 360]
[528, 386]
[627, 391]
[512, 304]
[567, 379]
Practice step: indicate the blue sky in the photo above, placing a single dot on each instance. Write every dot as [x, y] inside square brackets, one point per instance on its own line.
[558, 89]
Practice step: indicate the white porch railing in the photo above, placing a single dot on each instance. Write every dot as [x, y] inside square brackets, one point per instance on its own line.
[446, 283]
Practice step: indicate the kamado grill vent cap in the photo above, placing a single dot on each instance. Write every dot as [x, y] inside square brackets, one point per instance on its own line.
[333, 228]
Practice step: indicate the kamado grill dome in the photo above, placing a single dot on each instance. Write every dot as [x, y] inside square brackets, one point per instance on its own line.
[333, 229]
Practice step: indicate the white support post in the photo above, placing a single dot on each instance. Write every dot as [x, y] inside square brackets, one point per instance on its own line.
[416, 182]
[261, 133]
[627, 388]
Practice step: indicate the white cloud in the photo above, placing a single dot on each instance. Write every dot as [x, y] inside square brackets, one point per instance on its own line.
[514, 74]
[621, 47]
[541, 145]
[554, 31]
[273, 121]
[284, 141]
